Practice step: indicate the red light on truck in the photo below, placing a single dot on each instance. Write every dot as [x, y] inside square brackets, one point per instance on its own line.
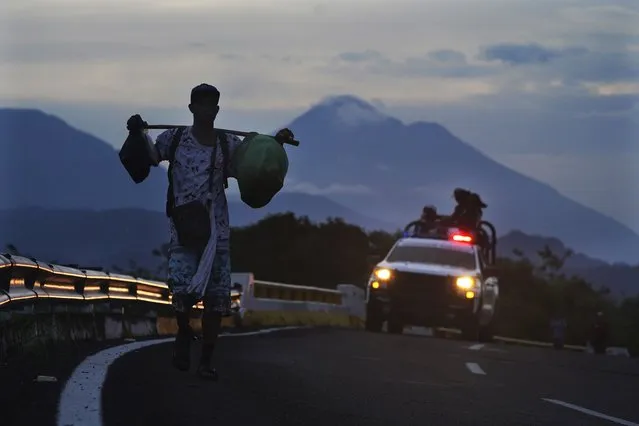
[462, 238]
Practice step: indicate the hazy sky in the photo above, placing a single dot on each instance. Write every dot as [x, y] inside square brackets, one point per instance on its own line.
[548, 87]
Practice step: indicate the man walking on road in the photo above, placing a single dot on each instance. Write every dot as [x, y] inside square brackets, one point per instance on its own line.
[196, 179]
[199, 266]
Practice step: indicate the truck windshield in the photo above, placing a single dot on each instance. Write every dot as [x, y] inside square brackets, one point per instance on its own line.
[433, 255]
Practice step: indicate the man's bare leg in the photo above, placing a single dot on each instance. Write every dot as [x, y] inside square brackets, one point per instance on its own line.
[211, 324]
[182, 344]
[182, 265]
[217, 301]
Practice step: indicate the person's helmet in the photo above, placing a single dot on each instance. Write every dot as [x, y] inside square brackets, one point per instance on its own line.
[429, 209]
[429, 212]
[477, 201]
[460, 195]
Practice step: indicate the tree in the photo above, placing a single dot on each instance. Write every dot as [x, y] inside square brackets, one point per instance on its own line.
[551, 263]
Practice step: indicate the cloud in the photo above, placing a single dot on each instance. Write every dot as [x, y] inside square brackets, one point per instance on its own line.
[574, 81]
[604, 41]
[139, 53]
[445, 63]
[262, 57]
[448, 56]
[36, 52]
[619, 14]
[525, 54]
[575, 78]
[602, 67]
[365, 56]
[573, 64]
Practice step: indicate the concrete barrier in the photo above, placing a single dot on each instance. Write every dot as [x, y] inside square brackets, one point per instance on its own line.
[354, 301]
[269, 303]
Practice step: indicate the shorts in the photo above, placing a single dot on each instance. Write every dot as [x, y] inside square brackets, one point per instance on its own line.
[182, 267]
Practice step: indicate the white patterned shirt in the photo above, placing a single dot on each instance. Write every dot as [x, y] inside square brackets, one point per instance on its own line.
[191, 171]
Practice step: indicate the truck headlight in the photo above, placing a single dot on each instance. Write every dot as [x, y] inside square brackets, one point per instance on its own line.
[383, 274]
[465, 283]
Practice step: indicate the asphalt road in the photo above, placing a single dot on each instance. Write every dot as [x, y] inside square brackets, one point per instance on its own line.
[341, 377]
[320, 377]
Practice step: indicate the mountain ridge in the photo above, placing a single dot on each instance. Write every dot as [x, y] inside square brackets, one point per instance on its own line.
[365, 161]
[433, 161]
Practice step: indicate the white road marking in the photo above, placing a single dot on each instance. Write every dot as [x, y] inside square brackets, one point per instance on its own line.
[475, 368]
[591, 412]
[476, 347]
[81, 400]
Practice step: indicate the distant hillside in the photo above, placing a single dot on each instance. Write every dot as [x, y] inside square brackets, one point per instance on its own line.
[53, 165]
[622, 279]
[112, 237]
[530, 245]
[316, 207]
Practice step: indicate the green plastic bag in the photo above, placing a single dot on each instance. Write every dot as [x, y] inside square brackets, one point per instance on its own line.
[261, 165]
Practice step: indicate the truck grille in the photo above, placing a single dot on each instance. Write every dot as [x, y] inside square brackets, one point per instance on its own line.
[413, 288]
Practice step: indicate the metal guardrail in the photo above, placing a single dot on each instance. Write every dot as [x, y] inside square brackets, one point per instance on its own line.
[23, 278]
